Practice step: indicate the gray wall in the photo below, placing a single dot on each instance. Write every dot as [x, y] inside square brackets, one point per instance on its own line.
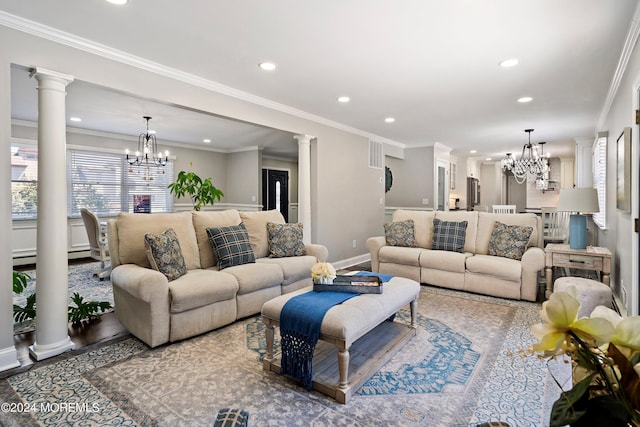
[289, 165]
[413, 178]
[243, 177]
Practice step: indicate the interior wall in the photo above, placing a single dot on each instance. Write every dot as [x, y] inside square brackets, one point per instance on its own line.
[490, 185]
[412, 179]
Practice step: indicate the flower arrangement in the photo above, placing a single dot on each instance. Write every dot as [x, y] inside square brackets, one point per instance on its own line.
[323, 272]
[605, 352]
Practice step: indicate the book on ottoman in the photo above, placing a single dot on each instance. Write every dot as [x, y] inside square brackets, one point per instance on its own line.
[352, 284]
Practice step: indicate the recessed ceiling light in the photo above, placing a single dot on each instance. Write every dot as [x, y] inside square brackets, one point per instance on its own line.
[151, 131]
[344, 99]
[206, 140]
[525, 99]
[488, 158]
[507, 63]
[473, 151]
[267, 66]
[118, 2]
[75, 119]
[389, 120]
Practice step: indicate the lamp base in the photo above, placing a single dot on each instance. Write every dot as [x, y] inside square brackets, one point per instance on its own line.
[578, 231]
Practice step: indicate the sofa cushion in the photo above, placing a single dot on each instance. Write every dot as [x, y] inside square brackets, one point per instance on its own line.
[199, 288]
[231, 245]
[209, 219]
[293, 268]
[256, 223]
[164, 254]
[132, 228]
[400, 255]
[422, 225]
[256, 276]
[493, 266]
[285, 240]
[509, 241]
[487, 219]
[444, 260]
[400, 233]
[449, 235]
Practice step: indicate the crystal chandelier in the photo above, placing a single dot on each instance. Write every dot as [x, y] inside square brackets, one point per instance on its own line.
[147, 155]
[532, 165]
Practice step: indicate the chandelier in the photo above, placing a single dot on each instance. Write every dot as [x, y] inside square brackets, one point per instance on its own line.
[147, 154]
[532, 166]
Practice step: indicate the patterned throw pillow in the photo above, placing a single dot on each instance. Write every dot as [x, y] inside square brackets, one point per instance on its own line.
[231, 245]
[400, 233]
[509, 241]
[285, 240]
[448, 235]
[164, 254]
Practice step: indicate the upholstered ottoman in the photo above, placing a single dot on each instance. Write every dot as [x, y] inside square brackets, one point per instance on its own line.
[359, 326]
[591, 293]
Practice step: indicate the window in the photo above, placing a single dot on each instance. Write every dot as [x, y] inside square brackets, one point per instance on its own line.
[103, 183]
[24, 181]
[600, 179]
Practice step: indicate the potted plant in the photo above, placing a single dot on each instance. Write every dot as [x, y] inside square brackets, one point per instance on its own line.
[202, 192]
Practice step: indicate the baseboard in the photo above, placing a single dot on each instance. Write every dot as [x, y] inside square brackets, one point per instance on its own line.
[8, 358]
[344, 263]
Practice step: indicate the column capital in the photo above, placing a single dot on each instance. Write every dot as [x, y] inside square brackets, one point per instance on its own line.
[304, 138]
[43, 73]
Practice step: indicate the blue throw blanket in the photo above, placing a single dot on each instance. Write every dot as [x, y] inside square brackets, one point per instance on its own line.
[300, 321]
[383, 277]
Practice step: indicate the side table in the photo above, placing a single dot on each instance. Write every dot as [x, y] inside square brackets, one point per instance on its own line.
[561, 255]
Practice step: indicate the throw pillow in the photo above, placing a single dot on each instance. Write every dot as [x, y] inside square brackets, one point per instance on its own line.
[285, 240]
[164, 254]
[400, 233]
[448, 235]
[509, 241]
[231, 245]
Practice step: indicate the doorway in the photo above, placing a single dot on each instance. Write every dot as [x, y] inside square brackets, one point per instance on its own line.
[275, 191]
[516, 193]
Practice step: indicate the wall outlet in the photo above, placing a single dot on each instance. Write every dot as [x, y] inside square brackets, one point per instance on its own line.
[254, 199]
[354, 244]
[425, 201]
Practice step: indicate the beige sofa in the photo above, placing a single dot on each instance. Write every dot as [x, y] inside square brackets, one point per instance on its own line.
[474, 270]
[158, 311]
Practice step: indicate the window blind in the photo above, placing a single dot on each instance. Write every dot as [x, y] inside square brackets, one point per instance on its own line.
[600, 180]
[24, 181]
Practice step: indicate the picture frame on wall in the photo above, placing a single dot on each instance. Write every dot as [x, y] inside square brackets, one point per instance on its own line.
[623, 171]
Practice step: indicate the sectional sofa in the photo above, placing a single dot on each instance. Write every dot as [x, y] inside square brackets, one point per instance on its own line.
[158, 310]
[475, 267]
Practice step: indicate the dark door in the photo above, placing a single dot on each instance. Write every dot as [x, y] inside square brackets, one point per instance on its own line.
[275, 191]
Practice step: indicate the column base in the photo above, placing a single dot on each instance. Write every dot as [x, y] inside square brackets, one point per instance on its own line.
[8, 358]
[41, 352]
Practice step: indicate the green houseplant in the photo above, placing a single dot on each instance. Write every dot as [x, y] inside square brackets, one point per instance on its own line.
[202, 192]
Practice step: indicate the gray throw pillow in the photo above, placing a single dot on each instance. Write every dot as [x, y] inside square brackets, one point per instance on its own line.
[285, 240]
[231, 245]
[400, 233]
[164, 254]
[509, 241]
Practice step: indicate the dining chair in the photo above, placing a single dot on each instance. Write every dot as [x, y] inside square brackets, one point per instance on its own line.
[504, 208]
[556, 225]
[97, 242]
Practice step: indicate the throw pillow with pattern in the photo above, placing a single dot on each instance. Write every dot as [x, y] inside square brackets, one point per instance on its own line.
[400, 233]
[285, 240]
[231, 245]
[164, 254]
[448, 235]
[509, 241]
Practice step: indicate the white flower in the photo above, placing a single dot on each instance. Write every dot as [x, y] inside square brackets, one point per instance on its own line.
[323, 270]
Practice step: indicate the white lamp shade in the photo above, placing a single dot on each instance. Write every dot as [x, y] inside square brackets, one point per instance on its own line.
[583, 200]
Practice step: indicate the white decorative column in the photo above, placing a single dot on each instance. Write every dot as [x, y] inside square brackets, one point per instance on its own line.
[304, 185]
[52, 288]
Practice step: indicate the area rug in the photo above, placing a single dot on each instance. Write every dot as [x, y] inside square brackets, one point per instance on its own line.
[81, 280]
[462, 368]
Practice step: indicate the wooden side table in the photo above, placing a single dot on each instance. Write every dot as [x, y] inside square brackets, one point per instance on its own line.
[561, 255]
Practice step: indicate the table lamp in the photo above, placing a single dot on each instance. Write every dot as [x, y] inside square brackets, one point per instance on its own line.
[578, 201]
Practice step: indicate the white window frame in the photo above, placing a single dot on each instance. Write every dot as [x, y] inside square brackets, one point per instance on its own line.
[600, 179]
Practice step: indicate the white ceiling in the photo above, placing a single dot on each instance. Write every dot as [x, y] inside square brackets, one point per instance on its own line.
[431, 64]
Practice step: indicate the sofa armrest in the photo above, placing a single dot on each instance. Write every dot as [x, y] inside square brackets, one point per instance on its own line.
[319, 251]
[532, 262]
[373, 246]
[142, 283]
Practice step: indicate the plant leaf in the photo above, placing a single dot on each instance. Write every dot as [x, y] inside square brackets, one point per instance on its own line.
[571, 405]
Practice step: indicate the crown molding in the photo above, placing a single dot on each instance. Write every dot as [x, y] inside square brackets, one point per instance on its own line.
[621, 67]
[57, 36]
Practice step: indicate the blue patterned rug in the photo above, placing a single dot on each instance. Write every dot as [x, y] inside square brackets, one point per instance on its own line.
[81, 280]
[461, 369]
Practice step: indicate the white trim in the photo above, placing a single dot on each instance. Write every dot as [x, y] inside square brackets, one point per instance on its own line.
[8, 358]
[186, 207]
[351, 261]
[71, 40]
[635, 208]
[621, 67]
